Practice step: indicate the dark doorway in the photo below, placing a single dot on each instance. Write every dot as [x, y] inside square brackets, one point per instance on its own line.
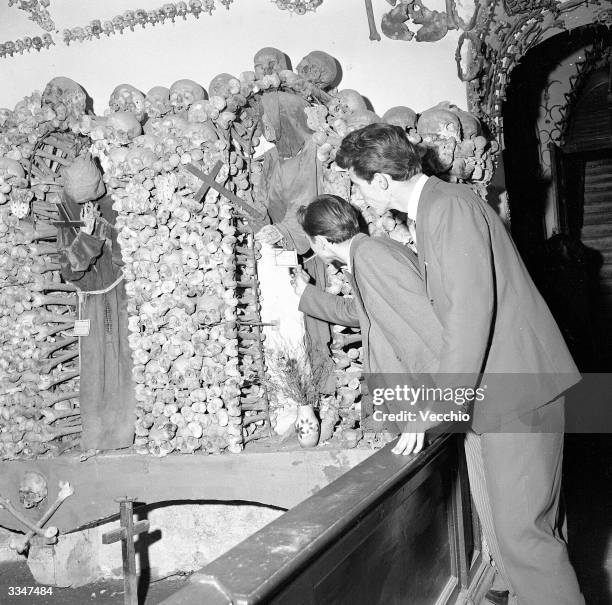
[573, 268]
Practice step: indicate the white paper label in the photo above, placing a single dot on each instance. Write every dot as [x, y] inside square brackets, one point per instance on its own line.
[81, 327]
[285, 258]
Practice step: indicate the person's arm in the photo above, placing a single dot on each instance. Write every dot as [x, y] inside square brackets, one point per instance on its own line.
[329, 307]
[463, 240]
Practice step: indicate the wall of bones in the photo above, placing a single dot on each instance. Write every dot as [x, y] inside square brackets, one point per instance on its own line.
[200, 371]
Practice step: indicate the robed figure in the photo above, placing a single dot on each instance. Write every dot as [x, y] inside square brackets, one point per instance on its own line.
[90, 259]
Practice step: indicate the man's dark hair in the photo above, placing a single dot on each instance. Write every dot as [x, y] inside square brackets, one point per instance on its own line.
[379, 148]
[329, 216]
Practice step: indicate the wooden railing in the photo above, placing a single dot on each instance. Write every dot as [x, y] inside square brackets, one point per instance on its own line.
[393, 529]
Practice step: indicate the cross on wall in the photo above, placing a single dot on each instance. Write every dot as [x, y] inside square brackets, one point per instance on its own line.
[208, 181]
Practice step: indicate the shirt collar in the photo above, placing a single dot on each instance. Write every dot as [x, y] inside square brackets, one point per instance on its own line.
[415, 196]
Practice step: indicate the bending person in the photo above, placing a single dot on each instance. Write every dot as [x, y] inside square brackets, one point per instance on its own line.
[389, 302]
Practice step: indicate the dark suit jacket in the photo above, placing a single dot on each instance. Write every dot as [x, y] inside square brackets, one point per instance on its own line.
[494, 319]
[401, 333]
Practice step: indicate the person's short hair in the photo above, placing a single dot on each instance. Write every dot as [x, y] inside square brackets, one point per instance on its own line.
[382, 148]
[330, 216]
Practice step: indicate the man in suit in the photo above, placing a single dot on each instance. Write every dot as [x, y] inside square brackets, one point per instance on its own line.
[498, 329]
[401, 333]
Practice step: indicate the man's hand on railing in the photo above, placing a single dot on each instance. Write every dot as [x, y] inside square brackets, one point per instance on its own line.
[409, 443]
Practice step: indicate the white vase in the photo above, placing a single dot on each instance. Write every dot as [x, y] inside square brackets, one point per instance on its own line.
[307, 426]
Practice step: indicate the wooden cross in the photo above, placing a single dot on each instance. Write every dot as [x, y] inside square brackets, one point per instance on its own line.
[126, 534]
[208, 181]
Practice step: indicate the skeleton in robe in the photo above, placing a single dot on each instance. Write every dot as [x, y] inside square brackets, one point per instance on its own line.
[292, 177]
[90, 259]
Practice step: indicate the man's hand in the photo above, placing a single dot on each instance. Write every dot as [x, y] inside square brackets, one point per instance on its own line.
[299, 281]
[89, 214]
[409, 443]
[269, 234]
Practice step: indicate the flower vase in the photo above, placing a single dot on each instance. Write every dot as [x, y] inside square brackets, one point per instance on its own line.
[307, 426]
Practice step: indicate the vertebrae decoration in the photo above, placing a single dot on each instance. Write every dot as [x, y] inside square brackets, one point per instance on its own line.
[299, 7]
[37, 12]
[117, 25]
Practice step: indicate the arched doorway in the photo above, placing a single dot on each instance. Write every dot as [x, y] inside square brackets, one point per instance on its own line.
[558, 170]
[558, 162]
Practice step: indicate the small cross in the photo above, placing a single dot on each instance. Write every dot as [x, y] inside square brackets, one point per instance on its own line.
[209, 181]
[126, 534]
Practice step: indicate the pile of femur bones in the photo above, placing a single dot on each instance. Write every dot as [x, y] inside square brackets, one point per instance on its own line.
[190, 262]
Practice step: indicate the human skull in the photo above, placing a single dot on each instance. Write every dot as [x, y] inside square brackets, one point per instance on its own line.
[37, 42]
[318, 68]
[224, 85]
[12, 167]
[127, 98]
[152, 17]
[5, 115]
[65, 96]
[361, 119]
[32, 489]
[27, 43]
[10, 47]
[347, 101]
[268, 61]
[185, 92]
[157, 102]
[108, 28]
[122, 127]
[19, 46]
[439, 123]
[401, 116]
[48, 40]
[470, 124]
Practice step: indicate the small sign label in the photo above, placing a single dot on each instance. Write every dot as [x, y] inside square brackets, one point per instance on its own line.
[286, 258]
[81, 327]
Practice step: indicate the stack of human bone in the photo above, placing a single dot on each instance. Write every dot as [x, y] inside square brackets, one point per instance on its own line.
[180, 258]
[39, 365]
[189, 251]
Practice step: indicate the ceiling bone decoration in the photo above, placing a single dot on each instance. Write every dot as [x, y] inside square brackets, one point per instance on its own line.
[37, 11]
[129, 20]
[299, 7]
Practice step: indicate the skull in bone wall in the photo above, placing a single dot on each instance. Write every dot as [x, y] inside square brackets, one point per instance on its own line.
[157, 102]
[318, 68]
[66, 98]
[360, 119]
[126, 97]
[401, 116]
[440, 130]
[32, 489]
[183, 93]
[347, 101]
[268, 61]
[122, 127]
[224, 85]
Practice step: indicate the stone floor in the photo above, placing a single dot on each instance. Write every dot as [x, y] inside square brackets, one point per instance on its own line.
[588, 498]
